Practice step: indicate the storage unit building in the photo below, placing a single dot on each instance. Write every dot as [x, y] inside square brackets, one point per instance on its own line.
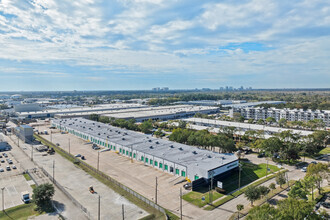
[167, 156]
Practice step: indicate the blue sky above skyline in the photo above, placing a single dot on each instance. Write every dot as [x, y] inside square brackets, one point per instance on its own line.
[140, 44]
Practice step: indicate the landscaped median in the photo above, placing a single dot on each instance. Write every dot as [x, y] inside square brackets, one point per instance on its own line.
[249, 173]
[239, 192]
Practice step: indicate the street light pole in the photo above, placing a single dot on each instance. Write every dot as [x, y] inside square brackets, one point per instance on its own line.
[99, 209]
[69, 146]
[98, 160]
[180, 203]
[53, 171]
[3, 199]
[239, 175]
[156, 190]
[31, 152]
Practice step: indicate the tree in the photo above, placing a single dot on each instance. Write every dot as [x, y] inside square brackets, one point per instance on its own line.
[263, 212]
[239, 208]
[252, 194]
[280, 178]
[282, 122]
[272, 186]
[182, 124]
[263, 190]
[294, 209]
[146, 126]
[319, 171]
[42, 196]
[94, 117]
[260, 122]
[298, 191]
[270, 120]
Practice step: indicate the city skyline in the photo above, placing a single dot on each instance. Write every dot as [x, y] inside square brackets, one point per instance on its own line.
[143, 44]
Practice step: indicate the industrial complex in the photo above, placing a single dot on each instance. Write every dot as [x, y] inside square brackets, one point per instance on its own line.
[195, 164]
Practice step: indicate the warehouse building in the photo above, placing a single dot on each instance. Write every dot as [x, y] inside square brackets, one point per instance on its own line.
[195, 164]
[164, 113]
[52, 112]
[24, 132]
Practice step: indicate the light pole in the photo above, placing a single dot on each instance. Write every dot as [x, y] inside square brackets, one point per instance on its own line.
[99, 209]
[180, 203]
[98, 160]
[69, 146]
[239, 175]
[3, 199]
[53, 171]
[156, 190]
[31, 152]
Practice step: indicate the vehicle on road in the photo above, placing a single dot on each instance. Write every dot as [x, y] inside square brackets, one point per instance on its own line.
[314, 162]
[25, 196]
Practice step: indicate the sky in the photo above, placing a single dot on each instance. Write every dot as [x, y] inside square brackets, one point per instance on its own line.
[180, 44]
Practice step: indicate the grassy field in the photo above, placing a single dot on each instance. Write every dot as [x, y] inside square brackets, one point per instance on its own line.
[20, 212]
[196, 197]
[250, 172]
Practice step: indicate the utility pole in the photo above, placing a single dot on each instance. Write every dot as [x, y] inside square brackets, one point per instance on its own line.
[51, 136]
[3, 199]
[31, 152]
[69, 145]
[180, 203]
[239, 175]
[98, 160]
[211, 195]
[99, 209]
[267, 167]
[156, 190]
[123, 211]
[53, 171]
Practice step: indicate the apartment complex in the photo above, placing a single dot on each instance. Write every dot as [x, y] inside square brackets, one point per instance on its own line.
[288, 114]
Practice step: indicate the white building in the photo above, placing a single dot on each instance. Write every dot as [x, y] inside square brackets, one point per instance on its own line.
[198, 165]
[288, 114]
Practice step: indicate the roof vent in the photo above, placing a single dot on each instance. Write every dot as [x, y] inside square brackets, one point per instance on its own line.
[150, 140]
[99, 134]
[209, 156]
[157, 142]
[194, 152]
[123, 139]
[180, 148]
[171, 146]
[151, 147]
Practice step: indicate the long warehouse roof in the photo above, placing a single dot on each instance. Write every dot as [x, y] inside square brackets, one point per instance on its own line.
[247, 126]
[192, 157]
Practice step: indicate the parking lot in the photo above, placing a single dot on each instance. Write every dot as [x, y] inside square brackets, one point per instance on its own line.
[13, 186]
[8, 165]
[77, 182]
[134, 174]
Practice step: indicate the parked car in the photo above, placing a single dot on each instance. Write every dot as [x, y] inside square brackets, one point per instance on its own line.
[2, 170]
[78, 155]
[304, 169]
[8, 168]
[5, 155]
[2, 161]
[10, 161]
[83, 158]
[187, 185]
[14, 167]
[314, 162]
[261, 155]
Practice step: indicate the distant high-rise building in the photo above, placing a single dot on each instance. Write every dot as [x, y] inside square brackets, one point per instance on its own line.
[221, 88]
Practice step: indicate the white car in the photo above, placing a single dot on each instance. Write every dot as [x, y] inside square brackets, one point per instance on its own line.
[2, 170]
[304, 169]
[14, 167]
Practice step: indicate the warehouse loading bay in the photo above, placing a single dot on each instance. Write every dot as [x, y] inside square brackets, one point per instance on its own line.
[134, 174]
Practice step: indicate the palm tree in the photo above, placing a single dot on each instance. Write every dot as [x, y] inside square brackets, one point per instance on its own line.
[239, 207]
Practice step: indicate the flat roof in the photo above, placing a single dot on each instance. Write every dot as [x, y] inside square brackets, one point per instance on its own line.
[82, 109]
[191, 157]
[249, 104]
[170, 110]
[245, 126]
